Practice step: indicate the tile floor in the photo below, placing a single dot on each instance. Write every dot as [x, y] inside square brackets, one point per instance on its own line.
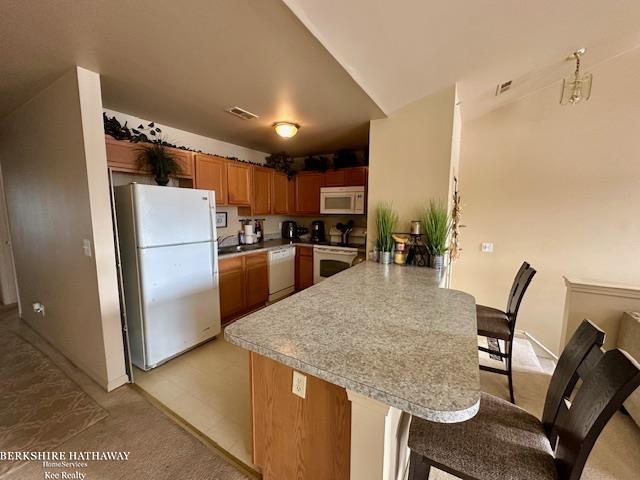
[209, 388]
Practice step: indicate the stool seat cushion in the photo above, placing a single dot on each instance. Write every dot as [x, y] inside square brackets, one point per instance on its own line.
[502, 441]
[492, 323]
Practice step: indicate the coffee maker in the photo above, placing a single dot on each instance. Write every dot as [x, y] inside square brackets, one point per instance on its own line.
[317, 231]
[289, 230]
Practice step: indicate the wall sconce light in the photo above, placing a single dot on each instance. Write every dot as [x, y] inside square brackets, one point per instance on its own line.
[576, 88]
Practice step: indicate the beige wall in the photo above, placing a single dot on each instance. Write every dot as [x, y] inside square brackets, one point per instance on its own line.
[54, 162]
[410, 158]
[558, 186]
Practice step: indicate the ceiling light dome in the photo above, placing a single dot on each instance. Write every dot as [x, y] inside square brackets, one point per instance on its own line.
[286, 129]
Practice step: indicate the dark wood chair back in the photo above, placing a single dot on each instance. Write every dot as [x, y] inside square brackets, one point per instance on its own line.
[518, 289]
[523, 268]
[601, 394]
[587, 338]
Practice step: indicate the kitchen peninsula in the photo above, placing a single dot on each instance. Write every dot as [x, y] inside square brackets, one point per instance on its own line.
[379, 343]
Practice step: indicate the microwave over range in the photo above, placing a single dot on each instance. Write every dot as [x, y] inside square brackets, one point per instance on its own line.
[342, 200]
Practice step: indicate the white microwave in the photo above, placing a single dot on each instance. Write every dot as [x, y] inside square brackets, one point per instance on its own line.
[342, 200]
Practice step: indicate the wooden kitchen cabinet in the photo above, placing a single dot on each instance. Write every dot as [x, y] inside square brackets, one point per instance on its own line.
[262, 190]
[346, 177]
[257, 280]
[122, 156]
[297, 437]
[211, 174]
[232, 287]
[304, 267]
[356, 176]
[308, 192]
[280, 194]
[184, 159]
[239, 184]
[334, 178]
[244, 284]
[291, 197]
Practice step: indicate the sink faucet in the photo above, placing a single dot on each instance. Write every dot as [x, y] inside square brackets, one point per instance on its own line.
[223, 239]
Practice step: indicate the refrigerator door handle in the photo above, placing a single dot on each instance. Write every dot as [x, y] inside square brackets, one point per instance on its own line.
[214, 258]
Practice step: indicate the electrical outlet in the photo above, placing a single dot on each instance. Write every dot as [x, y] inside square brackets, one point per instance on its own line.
[487, 247]
[86, 247]
[38, 308]
[299, 387]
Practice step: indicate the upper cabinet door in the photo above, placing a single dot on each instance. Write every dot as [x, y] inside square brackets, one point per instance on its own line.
[262, 190]
[211, 174]
[184, 159]
[239, 184]
[334, 178]
[308, 192]
[356, 177]
[122, 156]
[280, 194]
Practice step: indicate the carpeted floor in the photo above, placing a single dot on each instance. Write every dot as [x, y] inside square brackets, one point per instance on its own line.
[159, 448]
[40, 407]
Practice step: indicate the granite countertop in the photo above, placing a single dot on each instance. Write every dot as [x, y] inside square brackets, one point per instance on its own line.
[272, 245]
[385, 331]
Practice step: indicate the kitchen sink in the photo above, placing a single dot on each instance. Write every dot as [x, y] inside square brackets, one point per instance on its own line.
[238, 249]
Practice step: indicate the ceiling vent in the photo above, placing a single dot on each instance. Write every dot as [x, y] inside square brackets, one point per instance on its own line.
[241, 113]
[503, 87]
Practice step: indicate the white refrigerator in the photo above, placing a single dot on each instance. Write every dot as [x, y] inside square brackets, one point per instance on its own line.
[169, 262]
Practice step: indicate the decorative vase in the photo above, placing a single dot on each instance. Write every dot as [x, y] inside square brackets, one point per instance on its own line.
[385, 257]
[162, 181]
[436, 261]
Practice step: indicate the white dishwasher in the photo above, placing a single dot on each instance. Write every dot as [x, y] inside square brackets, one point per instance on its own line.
[282, 272]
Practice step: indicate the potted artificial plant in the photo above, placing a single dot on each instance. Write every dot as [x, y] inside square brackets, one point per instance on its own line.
[386, 221]
[159, 160]
[436, 225]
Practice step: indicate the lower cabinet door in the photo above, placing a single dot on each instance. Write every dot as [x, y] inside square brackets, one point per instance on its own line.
[304, 267]
[257, 280]
[232, 288]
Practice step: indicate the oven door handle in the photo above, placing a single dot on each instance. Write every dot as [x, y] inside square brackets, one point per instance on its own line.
[333, 252]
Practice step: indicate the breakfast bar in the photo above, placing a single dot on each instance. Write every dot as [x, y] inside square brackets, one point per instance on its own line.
[386, 337]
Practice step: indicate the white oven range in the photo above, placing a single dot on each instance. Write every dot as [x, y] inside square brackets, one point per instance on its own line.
[329, 260]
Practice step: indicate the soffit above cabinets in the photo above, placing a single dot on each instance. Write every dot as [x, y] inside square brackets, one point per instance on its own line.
[183, 63]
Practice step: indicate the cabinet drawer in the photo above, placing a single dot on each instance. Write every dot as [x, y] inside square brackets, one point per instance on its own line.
[255, 259]
[230, 264]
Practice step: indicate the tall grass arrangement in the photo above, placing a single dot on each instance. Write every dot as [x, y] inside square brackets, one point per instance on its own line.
[159, 160]
[436, 225]
[386, 221]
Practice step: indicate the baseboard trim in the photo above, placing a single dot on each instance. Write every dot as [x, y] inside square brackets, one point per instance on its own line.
[538, 343]
[117, 382]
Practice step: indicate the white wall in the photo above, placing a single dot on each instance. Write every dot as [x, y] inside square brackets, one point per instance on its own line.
[558, 186]
[54, 164]
[192, 140]
[410, 158]
[8, 286]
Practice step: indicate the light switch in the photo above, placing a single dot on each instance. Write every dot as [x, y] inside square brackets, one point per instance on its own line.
[86, 247]
[299, 387]
[487, 247]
